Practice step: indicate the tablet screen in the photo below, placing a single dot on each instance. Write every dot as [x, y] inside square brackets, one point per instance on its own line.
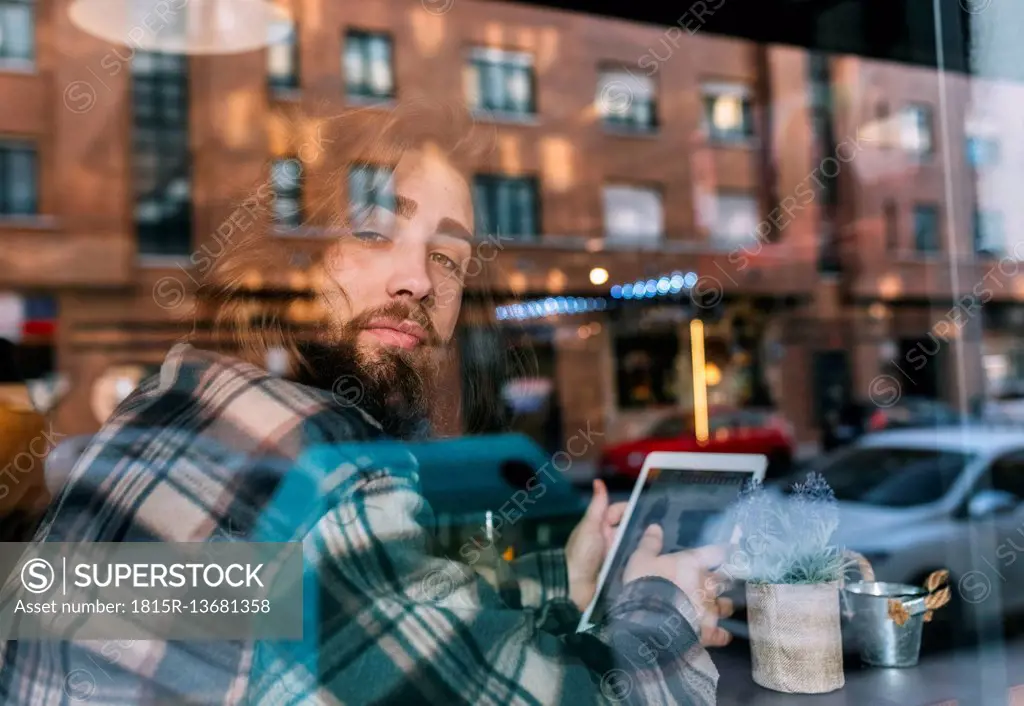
[682, 502]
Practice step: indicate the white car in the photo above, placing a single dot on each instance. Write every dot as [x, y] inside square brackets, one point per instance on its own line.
[916, 500]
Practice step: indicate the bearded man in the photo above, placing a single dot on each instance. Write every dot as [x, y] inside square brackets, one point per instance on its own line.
[203, 448]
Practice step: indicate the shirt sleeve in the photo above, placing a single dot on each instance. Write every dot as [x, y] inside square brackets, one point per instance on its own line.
[387, 622]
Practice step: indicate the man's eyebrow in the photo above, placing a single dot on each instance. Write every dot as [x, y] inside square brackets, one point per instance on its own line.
[404, 206]
[450, 226]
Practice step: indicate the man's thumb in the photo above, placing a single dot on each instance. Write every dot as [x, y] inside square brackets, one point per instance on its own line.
[651, 541]
[598, 502]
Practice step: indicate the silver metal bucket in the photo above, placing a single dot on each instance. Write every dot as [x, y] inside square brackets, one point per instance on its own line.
[881, 641]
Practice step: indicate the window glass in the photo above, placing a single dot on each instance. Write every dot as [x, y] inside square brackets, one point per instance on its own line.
[626, 101]
[367, 65]
[633, 213]
[728, 112]
[500, 81]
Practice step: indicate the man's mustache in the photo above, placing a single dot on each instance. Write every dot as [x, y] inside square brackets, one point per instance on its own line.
[397, 311]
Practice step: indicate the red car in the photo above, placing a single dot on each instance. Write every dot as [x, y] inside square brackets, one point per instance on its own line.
[729, 431]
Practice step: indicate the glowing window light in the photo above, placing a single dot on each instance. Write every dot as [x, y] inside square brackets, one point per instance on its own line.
[663, 285]
[617, 291]
[690, 279]
[627, 291]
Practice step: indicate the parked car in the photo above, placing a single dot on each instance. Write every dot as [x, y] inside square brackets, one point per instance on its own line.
[916, 500]
[864, 417]
[753, 431]
[1006, 407]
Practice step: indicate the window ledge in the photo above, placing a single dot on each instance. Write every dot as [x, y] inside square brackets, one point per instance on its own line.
[297, 231]
[285, 94]
[751, 144]
[639, 133]
[38, 222]
[371, 101]
[18, 66]
[529, 119]
[161, 261]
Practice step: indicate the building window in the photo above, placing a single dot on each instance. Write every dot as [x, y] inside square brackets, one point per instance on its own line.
[633, 213]
[626, 102]
[926, 228]
[286, 179]
[736, 220]
[890, 216]
[646, 370]
[369, 187]
[507, 206]
[728, 112]
[989, 234]
[19, 179]
[500, 81]
[162, 164]
[368, 68]
[982, 151]
[283, 63]
[17, 34]
[916, 134]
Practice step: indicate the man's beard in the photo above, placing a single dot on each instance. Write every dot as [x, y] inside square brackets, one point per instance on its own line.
[393, 385]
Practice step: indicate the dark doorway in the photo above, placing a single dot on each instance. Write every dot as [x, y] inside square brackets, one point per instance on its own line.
[920, 362]
[832, 382]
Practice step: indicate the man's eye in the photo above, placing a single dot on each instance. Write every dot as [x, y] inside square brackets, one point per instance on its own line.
[445, 261]
[370, 236]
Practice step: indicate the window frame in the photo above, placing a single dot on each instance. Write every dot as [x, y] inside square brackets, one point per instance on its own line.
[29, 148]
[8, 60]
[480, 57]
[166, 141]
[716, 88]
[612, 122]
[977, 232]
[928, 111]
[292, 81]
[294, 193]
[655, 188]
[936, 209]
[364, 92]
[756, 198]
[494, 181]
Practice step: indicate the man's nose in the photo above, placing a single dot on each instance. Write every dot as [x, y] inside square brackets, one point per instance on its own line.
[409, 274]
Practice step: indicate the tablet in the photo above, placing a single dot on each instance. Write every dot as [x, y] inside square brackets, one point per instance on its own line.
[681, 492]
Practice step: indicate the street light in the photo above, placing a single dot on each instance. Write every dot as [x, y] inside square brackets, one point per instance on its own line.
[598, 275]
[192, 27]
[700, 384]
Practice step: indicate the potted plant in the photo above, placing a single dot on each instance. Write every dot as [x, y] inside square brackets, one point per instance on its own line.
[793, 576]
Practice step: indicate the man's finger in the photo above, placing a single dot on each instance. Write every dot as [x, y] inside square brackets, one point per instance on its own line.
[613, 515]
[650, 542]
[726, 607]
[714, 636]
[710, 556]
[598, 502]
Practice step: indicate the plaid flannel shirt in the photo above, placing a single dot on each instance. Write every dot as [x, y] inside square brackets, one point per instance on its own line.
[215, 448]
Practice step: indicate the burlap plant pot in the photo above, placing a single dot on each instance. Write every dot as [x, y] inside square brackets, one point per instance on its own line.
[796, 641]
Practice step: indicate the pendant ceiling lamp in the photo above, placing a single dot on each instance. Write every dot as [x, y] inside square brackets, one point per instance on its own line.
[192, 27]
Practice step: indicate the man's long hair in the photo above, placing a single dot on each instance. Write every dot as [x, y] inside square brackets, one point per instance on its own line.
[238, 313]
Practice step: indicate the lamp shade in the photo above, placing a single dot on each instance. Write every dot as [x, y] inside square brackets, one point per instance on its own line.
[192, 27]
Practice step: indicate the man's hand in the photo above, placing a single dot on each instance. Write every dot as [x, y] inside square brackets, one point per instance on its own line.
[589, 544]
[691, 571]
